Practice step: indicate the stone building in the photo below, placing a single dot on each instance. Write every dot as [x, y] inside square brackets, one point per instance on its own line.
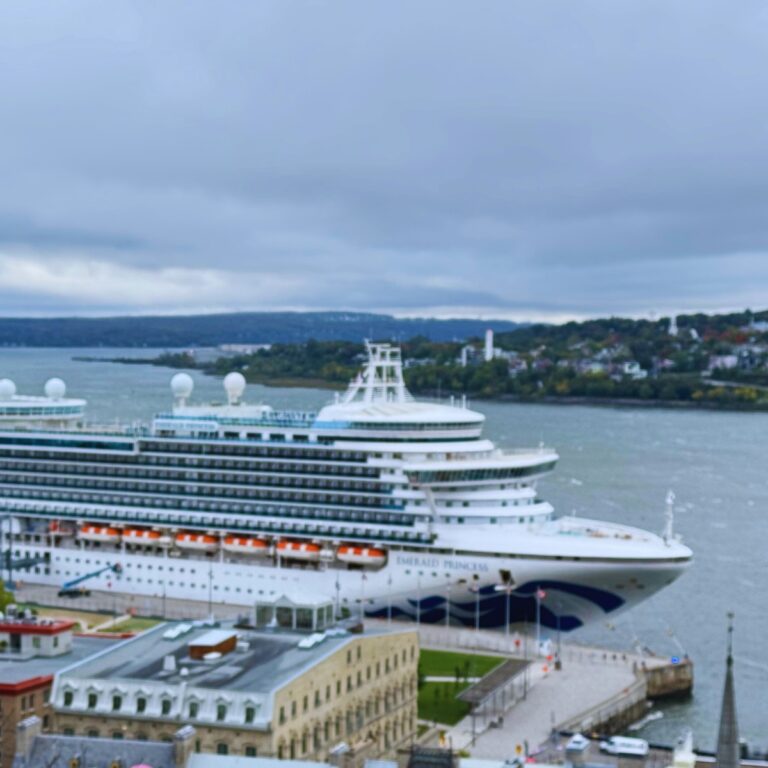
[274, 692]
[31, 652]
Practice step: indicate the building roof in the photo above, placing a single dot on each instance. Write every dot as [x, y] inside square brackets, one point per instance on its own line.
[265, 661]
[35, 627]
[17, 671]
[235, 761]
[55, 750]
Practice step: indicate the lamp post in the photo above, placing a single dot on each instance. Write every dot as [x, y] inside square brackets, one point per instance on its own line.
[509, 588]
[476, 589]
[540, 595]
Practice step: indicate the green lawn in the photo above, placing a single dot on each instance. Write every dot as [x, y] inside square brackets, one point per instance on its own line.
[446, 664]
[135, 624]
[438, 703]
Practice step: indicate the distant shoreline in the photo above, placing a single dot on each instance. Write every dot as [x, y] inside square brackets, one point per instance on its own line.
[601, 402]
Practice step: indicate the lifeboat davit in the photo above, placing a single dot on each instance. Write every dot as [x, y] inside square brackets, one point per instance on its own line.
[361, 555]
[100, 533]
[200, 541]
[145, 537]
[299, 550]
[245, 545]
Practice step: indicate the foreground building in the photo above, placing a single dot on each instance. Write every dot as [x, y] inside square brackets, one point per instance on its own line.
[276, 692]
[32, 651]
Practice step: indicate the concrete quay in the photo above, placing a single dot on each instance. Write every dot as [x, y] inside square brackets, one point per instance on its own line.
[595, 691]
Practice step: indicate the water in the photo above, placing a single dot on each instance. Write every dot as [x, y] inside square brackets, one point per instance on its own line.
[616, 464]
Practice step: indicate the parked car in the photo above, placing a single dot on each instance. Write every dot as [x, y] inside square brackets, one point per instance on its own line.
[623, 745]
[577, 743]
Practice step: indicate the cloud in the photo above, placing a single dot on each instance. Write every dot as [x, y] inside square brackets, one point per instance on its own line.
[511, 158]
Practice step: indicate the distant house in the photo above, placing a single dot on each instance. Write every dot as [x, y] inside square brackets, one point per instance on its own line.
[632, 370]
[722, 362]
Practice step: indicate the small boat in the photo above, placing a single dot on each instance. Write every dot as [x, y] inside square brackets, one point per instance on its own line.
[361, 555]
[299, 550]
[201, 542]
[145, 537]
[57, 529]
[99, 533]
[245, 545]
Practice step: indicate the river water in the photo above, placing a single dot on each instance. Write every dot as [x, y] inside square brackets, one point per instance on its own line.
[616, 464]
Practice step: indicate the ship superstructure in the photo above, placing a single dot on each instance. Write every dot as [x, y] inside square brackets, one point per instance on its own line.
[394, 506]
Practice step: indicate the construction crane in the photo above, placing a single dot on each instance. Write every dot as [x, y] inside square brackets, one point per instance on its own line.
[72, 588]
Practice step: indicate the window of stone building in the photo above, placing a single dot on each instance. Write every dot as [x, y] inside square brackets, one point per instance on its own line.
[306, 703]
[359, 652]
[46, 695]
[338, 687]
[304, 743]
[368, 672]
[250, 751]
[327, 692]
[378, 669]
[359, 678]
[349, 656]
[280, 751]
[93, 700]
[117, 703]
[222, 748]
[221, 712]
[93, 734]
[282, 715]
[165, 707]
[68, 698]
[293, 709]
[119, 735]
[317, 698]
[68, 731]
[36, 642]
[250, 714]
[141, 704]
[23, 702]
[194, 708]
[349, 682]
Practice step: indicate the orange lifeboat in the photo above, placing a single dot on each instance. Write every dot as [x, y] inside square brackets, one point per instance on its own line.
[99, 533]
[299, 550]
[57, 529]
[245, 545]
[361, 555]
[145, 537]
[200, 541]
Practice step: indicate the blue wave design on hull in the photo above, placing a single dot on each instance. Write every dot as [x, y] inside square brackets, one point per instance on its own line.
[493, 607]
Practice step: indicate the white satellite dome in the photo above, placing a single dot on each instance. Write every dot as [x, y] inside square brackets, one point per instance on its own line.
[182, 385]
[234, 384]
[55, 388]
[7, 389]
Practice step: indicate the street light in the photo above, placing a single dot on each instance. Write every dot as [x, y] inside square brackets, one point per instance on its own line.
[540, 595]
[476, 589]
[509, 588]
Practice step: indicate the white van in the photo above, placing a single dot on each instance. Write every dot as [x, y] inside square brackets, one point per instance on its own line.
[623, 745]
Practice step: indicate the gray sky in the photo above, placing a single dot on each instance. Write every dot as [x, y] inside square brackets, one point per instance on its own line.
[514, 159]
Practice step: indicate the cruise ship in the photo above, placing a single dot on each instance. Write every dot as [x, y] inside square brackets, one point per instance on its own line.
[393, 507]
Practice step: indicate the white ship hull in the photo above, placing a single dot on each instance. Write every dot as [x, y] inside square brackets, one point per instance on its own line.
[414, 586]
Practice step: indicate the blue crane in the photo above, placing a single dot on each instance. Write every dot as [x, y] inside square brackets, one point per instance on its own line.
[71, 588]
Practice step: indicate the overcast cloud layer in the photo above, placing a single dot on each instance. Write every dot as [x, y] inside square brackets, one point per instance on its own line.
[520, 159]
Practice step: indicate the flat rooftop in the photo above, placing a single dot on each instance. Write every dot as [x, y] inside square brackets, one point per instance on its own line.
[264, 661]
[15, 671]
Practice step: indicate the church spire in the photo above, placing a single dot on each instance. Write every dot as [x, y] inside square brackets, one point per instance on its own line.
[728, 737]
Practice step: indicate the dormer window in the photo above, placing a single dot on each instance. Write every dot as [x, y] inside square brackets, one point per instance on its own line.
[93, 700]
[141, 704]
[69, 697]
[194, 708]
[117, 703]
[221, 712]
[250, 713]
[165, 707]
